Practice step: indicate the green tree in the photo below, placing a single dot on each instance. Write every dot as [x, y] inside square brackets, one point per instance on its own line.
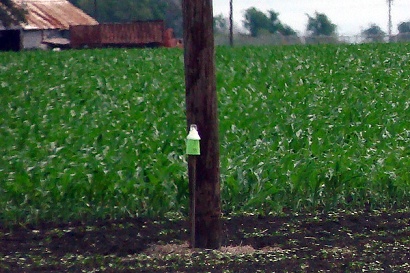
[221, 24]
[374, 34]
[10, 14]
[106, 11]
[173, 16]
[404, 27]
[74, 2]
[256, 22]
[288, 31]
[404, 31]
[123, 11]
[320, 25]
[275, 25]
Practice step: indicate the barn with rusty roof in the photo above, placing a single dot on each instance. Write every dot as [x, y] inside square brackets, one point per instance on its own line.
[48, 23]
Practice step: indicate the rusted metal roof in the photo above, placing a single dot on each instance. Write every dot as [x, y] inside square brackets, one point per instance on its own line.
[53, 14]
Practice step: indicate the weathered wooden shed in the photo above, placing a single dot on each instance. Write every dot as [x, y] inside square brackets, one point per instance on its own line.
[48, 23]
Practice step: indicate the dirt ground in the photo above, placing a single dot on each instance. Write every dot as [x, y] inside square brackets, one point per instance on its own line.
[377, 241]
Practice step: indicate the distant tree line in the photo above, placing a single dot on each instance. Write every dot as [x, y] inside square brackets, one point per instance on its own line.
[10, 14]
[375, 34]
[255, 22]
[258, 23]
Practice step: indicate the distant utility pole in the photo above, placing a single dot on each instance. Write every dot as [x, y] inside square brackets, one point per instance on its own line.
[231, 22]
[390, 21]
[201, 109]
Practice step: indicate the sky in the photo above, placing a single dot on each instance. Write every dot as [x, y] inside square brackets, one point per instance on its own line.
[350, 16]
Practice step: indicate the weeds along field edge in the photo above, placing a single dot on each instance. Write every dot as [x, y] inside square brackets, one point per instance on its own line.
[97, 133]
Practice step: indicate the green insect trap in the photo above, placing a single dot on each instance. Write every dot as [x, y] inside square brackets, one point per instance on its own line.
[192, 141]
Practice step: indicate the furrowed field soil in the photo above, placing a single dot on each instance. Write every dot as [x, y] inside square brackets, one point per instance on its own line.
[363, 241]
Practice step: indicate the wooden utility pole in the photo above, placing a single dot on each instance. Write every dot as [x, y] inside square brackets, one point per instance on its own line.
[201, 109]
[231, 22]
[390, 25]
